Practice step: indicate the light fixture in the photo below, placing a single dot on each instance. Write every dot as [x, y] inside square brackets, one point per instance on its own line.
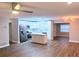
[15, 12]
[67, 19]
[69, 2]
[17, 7]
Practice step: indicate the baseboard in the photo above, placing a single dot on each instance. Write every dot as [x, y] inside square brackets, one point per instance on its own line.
[61, 36]
[73, 41]
[14, 42]
[4, 46]
[39, 43]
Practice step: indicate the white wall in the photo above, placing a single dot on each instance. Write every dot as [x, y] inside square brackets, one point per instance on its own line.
[52, 30]
[4, 26]
[15, 31]
[4, 32]
[74, 31]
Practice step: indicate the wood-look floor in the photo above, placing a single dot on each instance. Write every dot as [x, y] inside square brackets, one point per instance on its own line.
[60, 47]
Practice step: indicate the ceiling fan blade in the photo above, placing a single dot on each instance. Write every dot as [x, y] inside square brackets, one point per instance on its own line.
[26, 11]
[15, 5]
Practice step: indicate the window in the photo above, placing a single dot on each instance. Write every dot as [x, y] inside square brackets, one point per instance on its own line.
[38, 27]
[64, 28]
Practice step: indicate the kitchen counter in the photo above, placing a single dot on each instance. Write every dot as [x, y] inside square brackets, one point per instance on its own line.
[39, 38]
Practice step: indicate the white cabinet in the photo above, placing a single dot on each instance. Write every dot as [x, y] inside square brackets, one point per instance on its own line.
[39, 38]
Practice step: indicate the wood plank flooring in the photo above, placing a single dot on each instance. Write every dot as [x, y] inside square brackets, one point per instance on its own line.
[60, 47]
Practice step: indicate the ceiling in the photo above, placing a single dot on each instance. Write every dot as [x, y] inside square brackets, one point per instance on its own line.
[53, 8]
[43, 9]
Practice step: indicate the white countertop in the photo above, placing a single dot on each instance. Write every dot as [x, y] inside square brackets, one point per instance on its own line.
[38, 34]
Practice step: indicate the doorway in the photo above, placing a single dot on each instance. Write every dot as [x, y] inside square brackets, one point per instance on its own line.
[10, 32]
[61, 29]
[37, 27]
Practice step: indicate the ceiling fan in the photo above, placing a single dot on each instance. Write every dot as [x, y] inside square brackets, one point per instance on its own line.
[16, 7]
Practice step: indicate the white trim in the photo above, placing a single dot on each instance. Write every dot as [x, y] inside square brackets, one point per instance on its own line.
[15, 41]
[73, 41]
[4, 46]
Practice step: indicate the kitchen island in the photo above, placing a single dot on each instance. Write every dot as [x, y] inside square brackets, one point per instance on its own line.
[39, 38]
